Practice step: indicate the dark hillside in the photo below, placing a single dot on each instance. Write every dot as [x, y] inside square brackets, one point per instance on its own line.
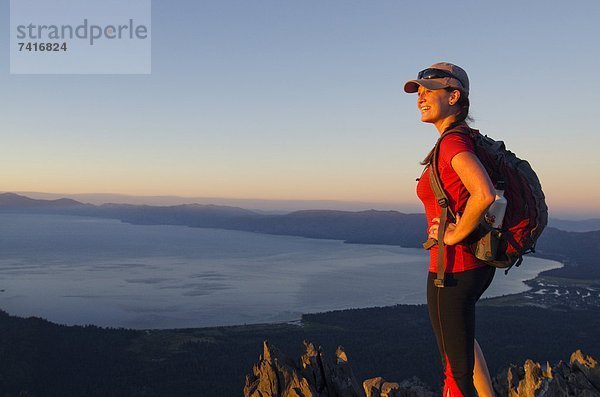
[578, 251]
[394, 342]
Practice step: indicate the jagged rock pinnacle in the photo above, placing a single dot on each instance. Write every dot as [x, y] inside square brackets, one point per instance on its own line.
[317, 376]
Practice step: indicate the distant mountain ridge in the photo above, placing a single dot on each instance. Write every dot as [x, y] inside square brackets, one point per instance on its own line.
[368, 227]
[16, 201]
[584, 225]
[271, 206]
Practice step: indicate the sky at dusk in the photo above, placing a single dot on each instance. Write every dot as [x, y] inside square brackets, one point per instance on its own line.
[303, 100]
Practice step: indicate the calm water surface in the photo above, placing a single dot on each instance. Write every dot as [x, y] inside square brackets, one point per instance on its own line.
[75, 270]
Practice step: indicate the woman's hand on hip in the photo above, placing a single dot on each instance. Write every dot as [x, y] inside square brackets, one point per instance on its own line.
[449, 234]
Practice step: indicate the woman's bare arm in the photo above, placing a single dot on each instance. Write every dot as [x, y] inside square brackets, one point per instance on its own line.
[478, 183]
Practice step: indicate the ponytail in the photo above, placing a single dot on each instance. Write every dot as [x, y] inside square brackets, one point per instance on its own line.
[463, 104]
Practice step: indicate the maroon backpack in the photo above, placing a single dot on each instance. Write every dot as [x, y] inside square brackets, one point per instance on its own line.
[526, 212]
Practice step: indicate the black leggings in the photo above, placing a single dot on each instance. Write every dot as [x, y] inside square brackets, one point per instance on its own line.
[452, 316]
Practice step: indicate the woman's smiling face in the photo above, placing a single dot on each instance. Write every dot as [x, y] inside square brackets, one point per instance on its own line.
[436, 105]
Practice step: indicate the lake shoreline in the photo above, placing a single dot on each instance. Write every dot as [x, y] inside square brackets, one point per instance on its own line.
[116, 274]
[531, 297]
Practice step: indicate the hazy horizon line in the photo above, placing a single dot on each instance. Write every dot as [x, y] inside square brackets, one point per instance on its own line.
[268, 205]
[273, 206]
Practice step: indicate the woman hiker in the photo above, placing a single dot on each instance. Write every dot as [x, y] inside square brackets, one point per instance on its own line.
[443, 100]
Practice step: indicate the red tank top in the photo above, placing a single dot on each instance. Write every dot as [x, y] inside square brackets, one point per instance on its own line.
[459, 257]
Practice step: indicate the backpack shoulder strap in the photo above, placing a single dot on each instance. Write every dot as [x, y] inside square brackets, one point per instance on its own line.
[435, 181]
[443, 202]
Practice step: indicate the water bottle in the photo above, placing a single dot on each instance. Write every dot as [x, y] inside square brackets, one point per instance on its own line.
[487, 246]
[496, 211]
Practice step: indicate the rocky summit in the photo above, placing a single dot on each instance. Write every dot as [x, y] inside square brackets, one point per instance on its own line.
[579, 378]
[316, 375]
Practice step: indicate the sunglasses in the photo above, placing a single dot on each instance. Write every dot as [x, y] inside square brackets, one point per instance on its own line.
[435, 74]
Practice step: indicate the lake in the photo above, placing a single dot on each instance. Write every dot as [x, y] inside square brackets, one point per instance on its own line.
[76, 270]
